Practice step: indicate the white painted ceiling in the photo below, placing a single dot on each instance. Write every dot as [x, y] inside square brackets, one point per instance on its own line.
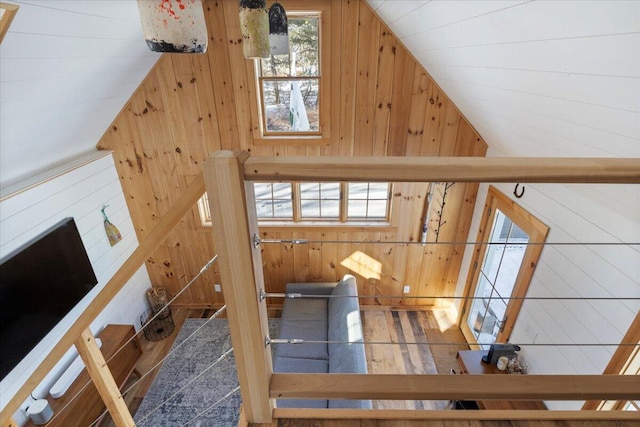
[536, 78]
[67, 67]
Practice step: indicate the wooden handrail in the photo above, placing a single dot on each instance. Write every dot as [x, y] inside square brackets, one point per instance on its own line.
[454, 387]
[448, 414]
[435, 169]
[167, 223]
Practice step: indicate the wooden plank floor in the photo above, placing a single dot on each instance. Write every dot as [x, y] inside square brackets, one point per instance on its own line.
[411, 332]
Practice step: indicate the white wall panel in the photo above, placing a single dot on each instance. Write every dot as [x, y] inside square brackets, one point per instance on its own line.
[80, 193]
[499, 23]
[431, 16]
[66, 70]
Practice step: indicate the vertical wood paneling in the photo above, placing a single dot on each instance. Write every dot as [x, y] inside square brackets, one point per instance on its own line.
[221, 73]
[419, 101]
[349, 42]
[366, 81]
[191, 105]
[404, 68]
[243, 92]
[384, 85]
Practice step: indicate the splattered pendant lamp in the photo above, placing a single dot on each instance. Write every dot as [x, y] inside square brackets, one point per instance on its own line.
[176, 26]
[278, 30]
[254, 23]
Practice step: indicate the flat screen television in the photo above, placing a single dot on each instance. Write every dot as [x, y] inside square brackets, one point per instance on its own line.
[39, 284]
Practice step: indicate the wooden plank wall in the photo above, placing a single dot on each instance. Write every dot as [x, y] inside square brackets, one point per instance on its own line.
[383, 103]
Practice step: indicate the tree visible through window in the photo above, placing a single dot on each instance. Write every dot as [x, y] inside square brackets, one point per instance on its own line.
[290, 84]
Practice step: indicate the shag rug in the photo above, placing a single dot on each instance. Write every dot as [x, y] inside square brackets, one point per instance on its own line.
[171, 402]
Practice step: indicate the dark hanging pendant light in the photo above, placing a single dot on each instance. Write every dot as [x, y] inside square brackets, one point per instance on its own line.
[174, 25]
[254, 23]
[278, 30]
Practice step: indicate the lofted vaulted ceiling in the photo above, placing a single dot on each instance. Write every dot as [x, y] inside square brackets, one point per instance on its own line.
[535, 78]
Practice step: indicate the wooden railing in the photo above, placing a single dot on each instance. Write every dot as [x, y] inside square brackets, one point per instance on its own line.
[227, 175]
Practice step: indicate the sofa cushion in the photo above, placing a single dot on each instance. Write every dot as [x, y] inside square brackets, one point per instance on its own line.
[304, 319]
[345, 324]
[294, 365]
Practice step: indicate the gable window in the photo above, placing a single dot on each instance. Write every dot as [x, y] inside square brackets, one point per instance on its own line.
[293, 89]
[290, 84]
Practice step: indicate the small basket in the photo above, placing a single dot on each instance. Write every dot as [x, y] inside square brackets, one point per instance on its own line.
[159, 328]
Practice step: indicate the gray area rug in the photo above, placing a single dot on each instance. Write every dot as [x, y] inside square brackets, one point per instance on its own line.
[192, 405]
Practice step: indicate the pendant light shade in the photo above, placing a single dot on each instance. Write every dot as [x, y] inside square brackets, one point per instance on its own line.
[278, 30]
[174, 25]
[254, 23]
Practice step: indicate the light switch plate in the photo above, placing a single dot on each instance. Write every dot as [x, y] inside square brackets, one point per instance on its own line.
[217, 287]
[406, 289]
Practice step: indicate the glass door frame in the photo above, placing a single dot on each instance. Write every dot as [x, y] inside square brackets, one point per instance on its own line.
[537, 232]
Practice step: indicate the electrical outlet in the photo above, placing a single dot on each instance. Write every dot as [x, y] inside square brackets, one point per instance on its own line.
[217, 287]
[406, 289]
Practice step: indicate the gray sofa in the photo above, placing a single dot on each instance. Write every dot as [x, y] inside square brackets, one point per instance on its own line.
[322, 319]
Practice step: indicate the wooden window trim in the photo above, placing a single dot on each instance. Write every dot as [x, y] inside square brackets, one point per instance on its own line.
[619, 362]
[345, 198]
[537, 232]
[297, 221]
[327, 91]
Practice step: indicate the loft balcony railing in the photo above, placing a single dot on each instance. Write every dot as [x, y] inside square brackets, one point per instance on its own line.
[228, 176]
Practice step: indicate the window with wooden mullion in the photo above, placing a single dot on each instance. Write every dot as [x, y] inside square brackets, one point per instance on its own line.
[319, 200]
[290, 85]
[326, 202]
[367, 200]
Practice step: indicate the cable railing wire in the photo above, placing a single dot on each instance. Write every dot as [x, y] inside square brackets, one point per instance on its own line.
[168, 399]
[297, 341]
[213, 405]
[173, 350]
[419, 242]
[177, 347]
[200, 273]
[202, 270]
[295, 295]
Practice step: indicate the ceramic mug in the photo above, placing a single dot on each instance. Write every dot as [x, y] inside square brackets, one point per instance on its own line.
[502, 363]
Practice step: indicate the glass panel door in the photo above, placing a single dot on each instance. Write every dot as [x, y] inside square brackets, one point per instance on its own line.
[496, 281]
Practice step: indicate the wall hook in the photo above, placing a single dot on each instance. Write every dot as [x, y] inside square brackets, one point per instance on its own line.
[515, 191]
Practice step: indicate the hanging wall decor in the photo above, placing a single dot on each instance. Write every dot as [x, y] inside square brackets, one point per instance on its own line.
[278, 30]
[254, 23]
[113, 234]
[175, 26]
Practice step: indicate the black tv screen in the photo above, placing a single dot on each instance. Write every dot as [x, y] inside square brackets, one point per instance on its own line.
[39, 284]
